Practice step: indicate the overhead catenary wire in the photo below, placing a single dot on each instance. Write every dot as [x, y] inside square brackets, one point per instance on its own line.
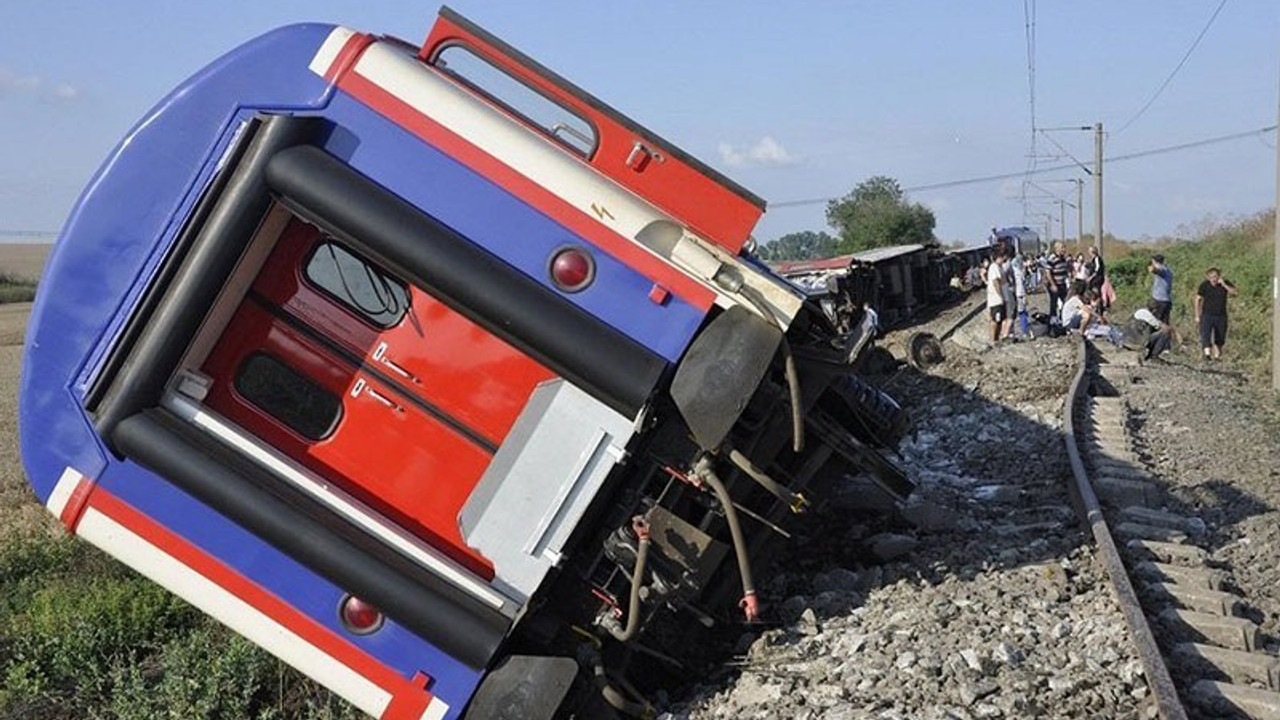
[1048, 169]
[1029, 18]
[1181, 63]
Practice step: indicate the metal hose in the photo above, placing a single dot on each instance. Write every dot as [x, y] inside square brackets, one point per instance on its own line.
[748, 603]
[788, 364]
[641, 527]
[617, 700]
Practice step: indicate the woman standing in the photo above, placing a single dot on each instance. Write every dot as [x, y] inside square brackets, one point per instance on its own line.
[1096, 275]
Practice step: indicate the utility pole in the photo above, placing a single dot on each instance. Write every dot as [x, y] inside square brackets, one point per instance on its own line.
[1079, 211]
[1275, 293]
[1097, 185]
[1062, 218]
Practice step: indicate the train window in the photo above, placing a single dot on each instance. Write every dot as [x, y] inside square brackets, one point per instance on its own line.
[288, 396]
[357, 284]
[538, 110]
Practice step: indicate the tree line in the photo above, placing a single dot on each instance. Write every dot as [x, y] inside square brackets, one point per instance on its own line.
[874, 214]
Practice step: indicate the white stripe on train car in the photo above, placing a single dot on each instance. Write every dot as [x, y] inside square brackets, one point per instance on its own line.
[62, 490]
[328, 52]
[240, 616]
[436, 710]
[338, 501]
[397, 70]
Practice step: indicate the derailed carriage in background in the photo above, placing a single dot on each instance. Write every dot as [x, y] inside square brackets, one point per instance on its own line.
[435, 376]
[898, 281]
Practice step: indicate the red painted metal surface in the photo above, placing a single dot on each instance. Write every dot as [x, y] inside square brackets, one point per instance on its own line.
[433, 352]
[396, 457]
[639, 161]
[585, 225]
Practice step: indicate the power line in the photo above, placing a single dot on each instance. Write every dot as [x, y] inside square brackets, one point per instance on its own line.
[1052, 168]
[1181, 62]
[1066, 152]
[1029, 19]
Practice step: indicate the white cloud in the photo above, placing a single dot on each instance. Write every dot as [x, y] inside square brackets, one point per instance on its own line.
[11, 81]
[1010, 189]
[65, 93]
[766, 153]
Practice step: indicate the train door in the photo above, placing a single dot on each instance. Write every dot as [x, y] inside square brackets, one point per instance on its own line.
[370, 383]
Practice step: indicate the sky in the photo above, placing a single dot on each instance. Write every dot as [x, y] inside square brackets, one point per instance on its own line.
[798, 101]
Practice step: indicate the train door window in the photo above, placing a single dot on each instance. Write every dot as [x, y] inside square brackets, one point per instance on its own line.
[288, 396]
[535, 108]
[357, 284]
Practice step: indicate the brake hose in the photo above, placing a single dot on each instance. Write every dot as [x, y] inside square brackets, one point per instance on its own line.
[641, 527]
[617, 699]
[789, 365]
[749, 604]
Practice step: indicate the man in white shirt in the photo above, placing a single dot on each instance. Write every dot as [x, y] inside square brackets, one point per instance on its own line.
[995, 296]
[1019, 270]
[1076, 313]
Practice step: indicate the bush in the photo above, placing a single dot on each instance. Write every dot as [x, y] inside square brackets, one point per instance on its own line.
[14, 288]
[83, 636]
[1243, 251]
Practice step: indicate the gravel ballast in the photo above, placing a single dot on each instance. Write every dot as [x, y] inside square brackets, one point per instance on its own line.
[982, 598]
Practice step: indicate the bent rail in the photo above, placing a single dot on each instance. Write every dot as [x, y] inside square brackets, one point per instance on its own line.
[1090, 512]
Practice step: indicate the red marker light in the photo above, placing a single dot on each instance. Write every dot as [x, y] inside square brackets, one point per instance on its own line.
[358, 616]
[572, 269]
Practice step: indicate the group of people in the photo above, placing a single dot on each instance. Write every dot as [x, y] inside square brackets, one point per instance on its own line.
[1004, 275]
[1009, 278]
[1064, 272]
[1080, 296]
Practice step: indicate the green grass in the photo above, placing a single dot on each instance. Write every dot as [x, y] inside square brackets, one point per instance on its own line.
[1244, 251]
[81, 636]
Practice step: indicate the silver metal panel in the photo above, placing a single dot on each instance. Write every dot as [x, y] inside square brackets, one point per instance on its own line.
[540, 482]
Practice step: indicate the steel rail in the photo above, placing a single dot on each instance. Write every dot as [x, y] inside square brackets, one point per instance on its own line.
[1166, 697]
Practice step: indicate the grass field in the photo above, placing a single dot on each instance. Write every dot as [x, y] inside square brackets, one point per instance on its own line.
[82, 636]
[1244, 250]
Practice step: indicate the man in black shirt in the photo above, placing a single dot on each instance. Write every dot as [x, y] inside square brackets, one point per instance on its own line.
[1058, 274]
[1211, 312]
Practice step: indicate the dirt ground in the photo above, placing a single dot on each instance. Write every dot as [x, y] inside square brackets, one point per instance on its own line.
[24, 261]
[19, 511]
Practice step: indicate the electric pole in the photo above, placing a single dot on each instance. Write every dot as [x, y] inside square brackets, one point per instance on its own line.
[1275, 292]
[1079, 211]
[1097, 185]
[1062, 218]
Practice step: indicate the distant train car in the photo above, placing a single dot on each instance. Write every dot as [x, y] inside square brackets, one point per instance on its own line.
[1023, 240]
[435, 376]
[897, 281]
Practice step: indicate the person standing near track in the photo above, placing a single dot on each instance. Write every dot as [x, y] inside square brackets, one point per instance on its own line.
[1161, 288]
[995, 295]
[1058, 273]
[1096, 275]
[1018, 269]
[1211, 312]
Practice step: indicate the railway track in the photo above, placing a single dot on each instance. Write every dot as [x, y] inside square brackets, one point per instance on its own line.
[1201, 654]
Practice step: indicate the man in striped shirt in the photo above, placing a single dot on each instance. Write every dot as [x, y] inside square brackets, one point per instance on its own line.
[1059, 277]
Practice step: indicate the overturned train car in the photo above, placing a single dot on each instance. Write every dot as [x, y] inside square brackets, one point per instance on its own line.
[898, 281]
[434, 376]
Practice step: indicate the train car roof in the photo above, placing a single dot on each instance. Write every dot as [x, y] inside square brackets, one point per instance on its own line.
[796, 267]
[881, 254]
